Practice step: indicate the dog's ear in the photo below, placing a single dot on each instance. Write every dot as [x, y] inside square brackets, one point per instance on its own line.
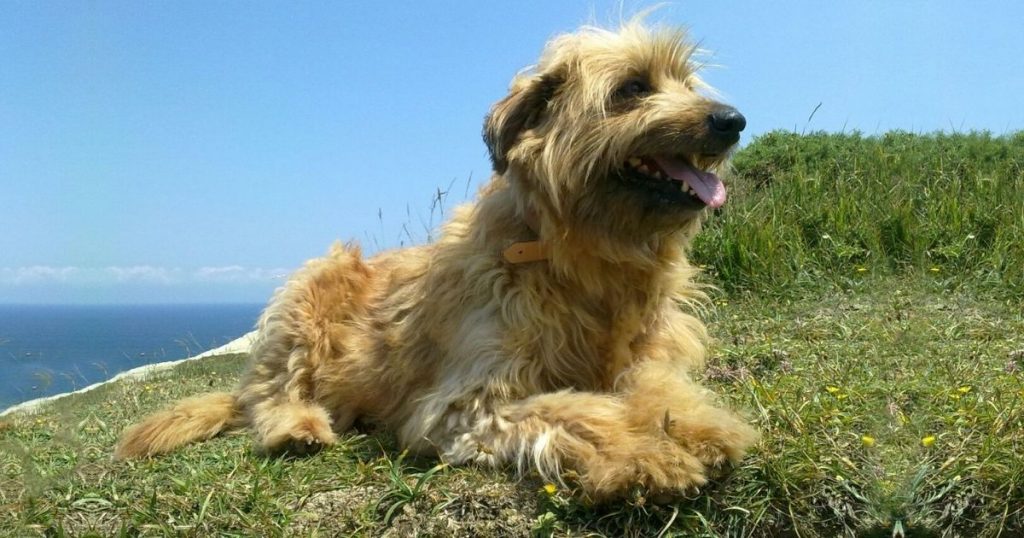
[522, 109]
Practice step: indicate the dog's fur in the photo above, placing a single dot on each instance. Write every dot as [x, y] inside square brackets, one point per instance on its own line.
[578, 365]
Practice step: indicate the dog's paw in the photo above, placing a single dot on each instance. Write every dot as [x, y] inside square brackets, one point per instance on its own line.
[301, 444]
[303, 432]
[660, 471]
[663, 486]
[303, 447]
[716, 441]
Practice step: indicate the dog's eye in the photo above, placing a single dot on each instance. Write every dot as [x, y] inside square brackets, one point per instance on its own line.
[634, 87]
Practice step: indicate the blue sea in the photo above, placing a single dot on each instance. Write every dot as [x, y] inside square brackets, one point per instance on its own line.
[50, 349]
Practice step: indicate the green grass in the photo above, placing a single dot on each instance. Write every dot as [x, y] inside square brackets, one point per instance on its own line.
[850, 328]
[834, 207]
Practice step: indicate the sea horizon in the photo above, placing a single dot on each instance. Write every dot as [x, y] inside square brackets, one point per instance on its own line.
[52, 348]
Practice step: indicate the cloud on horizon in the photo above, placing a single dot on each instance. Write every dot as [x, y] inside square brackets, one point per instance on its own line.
[138, 274]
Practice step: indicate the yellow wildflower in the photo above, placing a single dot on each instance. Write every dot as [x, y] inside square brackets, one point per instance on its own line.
[831, 389]
[964, 390]
[867, 441]
[928, 441]
[550, 489]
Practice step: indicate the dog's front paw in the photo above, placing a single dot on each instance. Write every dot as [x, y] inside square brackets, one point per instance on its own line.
[660, 470]
[714, 436]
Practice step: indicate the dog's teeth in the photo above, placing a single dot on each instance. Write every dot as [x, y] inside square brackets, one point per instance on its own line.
[634, 161]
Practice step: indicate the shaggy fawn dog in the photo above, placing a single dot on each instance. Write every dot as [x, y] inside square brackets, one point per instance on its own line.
[548, 326]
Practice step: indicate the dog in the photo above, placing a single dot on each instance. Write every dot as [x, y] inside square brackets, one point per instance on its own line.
[551, 325]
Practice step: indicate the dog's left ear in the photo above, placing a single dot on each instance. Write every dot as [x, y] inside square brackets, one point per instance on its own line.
[522, 109]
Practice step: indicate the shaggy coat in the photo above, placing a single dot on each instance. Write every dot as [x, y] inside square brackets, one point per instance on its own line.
[580, 364]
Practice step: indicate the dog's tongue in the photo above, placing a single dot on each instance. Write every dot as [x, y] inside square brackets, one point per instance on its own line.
[708, 187]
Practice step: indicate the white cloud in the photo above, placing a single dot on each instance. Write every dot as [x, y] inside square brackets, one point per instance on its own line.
[37, 274]
[138, 274]
[144, 273]
[237, 273]
[217, 272]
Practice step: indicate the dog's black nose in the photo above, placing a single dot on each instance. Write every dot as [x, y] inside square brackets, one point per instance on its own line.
[727, 120]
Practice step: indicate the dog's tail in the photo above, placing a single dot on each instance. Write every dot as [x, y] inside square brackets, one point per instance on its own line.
[190, 420]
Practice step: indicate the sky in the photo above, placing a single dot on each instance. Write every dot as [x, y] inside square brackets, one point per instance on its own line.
[196, 151]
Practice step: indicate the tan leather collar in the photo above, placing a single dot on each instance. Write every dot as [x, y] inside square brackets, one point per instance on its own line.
[527, 251]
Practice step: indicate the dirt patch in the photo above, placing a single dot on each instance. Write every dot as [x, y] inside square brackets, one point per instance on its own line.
[336, 512]
[468, 509]
[458, 507]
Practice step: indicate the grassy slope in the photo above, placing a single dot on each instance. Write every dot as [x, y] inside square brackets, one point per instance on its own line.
[832, 207]
[845, 372]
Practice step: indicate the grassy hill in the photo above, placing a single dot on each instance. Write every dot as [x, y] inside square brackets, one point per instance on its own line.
[869, 321]
[839, 208]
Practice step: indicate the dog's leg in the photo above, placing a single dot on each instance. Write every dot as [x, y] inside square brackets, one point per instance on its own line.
[583, 434]
[278, 402]
[303, 336]
[662, 396]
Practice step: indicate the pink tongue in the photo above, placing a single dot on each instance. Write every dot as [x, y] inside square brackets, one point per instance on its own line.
[707, 185]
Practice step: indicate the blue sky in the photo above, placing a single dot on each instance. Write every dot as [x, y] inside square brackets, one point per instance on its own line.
[200, 151]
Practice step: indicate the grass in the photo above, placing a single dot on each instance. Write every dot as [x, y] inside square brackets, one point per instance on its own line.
[890, 399]
[832, 207]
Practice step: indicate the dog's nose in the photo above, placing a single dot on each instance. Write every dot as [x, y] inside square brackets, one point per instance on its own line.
[727, 120]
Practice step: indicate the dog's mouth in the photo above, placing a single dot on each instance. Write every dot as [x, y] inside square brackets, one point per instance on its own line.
[674, 178]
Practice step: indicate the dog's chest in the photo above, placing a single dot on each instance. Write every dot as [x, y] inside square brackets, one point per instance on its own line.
[578, 341]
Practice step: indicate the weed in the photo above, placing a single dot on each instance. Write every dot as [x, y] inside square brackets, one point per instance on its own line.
[400, 492]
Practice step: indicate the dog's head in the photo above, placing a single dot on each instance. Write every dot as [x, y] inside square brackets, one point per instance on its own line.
[613, 132]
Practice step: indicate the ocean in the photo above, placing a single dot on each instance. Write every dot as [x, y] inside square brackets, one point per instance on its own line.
[46, 350]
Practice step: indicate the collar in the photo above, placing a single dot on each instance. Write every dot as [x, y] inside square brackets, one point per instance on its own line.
[527, 251]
